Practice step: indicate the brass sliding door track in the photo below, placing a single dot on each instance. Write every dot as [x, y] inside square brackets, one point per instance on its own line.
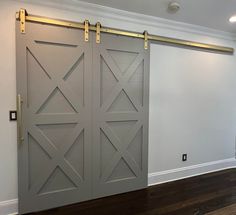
[23, 17]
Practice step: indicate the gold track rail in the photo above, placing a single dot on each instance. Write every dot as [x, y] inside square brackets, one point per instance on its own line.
[147, 37]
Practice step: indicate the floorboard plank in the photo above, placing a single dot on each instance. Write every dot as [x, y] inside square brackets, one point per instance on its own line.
[229, 210]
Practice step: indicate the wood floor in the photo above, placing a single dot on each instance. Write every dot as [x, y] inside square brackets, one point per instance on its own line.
[229, 210]
[210, 194]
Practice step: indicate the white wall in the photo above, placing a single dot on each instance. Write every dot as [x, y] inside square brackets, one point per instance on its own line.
[192, 107]
[192, 94]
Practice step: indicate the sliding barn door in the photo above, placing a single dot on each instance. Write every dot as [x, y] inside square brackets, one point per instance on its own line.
[120, 115]
[83, 119]
[54, 80]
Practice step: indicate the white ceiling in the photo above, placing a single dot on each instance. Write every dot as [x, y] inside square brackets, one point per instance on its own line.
[209, 13]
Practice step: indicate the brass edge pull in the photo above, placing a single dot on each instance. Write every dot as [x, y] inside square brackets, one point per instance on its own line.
[19, 118]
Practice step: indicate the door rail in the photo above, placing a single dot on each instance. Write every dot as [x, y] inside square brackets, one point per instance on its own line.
[23, 17]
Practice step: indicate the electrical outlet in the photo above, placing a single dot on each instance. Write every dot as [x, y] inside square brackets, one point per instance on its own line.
[12, 115]
[184, 157]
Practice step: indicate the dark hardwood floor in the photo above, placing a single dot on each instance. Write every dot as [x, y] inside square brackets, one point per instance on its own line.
[192, 196]
[229, 210]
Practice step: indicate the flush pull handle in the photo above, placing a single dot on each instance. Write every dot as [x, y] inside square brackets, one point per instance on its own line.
[19, 119]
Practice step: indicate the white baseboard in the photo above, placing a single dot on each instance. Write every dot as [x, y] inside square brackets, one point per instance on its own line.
[9, 207]
[190, 171]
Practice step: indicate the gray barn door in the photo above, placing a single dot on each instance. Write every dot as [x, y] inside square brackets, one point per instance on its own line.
[54, 80]
[120, 115]
[85, 116]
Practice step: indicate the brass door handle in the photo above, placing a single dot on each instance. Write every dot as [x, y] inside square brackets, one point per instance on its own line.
[19, 118]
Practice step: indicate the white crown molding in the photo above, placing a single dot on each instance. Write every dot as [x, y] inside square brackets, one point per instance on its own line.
[131, 17]
[190, 171]
[9, 207]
